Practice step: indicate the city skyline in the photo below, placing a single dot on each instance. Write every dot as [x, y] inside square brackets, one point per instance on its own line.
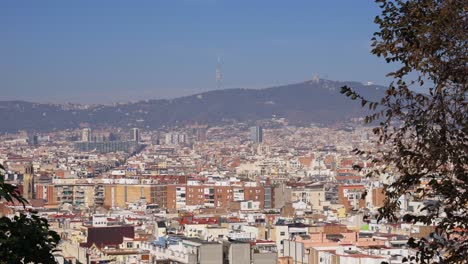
[225, 132]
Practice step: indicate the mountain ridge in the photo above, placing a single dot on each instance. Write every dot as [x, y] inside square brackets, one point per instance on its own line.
[310, 101]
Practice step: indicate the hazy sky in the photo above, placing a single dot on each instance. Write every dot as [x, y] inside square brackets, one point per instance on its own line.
[107, 51]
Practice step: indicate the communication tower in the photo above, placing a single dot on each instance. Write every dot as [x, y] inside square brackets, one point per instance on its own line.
[219, 75]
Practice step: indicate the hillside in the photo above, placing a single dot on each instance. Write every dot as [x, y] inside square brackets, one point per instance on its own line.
[302, 102]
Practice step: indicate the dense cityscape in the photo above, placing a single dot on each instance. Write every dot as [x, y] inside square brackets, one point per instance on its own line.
[234, 132]
[264, 192]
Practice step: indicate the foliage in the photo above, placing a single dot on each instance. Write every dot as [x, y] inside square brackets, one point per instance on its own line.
[26, 238]
[9, 192]
[424, 135]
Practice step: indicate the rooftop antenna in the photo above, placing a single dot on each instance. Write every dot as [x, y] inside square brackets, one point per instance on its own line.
[219, 76]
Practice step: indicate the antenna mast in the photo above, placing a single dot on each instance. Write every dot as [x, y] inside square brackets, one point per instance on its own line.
[219, 76]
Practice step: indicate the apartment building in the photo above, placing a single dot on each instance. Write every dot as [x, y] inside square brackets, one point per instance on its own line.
[350, 196]
[197, 195]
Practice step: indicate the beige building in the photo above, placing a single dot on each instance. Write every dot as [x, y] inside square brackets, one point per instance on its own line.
[118, 195]
[313, 195]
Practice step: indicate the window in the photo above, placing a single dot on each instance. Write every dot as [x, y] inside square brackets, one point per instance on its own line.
[282, 234]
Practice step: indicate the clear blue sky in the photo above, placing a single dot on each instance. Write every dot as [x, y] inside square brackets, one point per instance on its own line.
[107, 51]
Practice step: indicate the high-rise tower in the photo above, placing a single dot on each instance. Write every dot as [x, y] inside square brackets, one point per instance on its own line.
[135, 134]
[86, 134]
[28, 182]
[256, 134]
[219, 75]
[200, 133]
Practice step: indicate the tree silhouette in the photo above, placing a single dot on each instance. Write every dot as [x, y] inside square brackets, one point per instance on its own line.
[25, 238]
[421, 122]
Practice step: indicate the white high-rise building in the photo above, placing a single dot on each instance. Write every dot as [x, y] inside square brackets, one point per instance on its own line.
[135, 134]
[86, 134]
[256, 134]
[175, 139]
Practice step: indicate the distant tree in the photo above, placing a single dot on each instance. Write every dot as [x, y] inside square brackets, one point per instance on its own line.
[421, 122]
[25, 238]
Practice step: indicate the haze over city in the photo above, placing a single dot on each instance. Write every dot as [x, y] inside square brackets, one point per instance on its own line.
[233, 132]
[111, 51]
